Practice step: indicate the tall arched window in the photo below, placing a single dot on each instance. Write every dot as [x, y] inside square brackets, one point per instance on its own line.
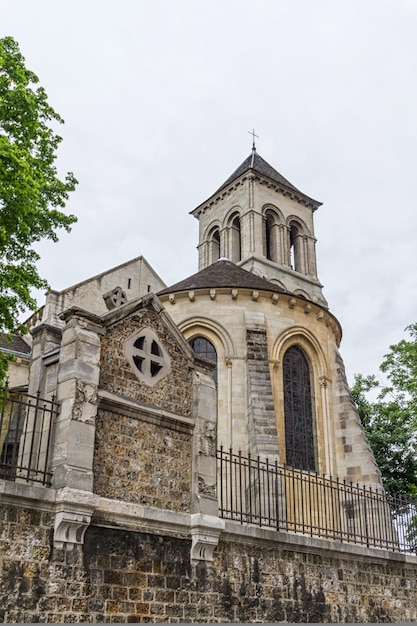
[214, 242]
[204, 348]
[235, 240]
[295, 248]
[270, 236]
[298, 410]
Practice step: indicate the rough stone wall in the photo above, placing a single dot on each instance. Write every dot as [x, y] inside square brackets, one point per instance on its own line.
[26, 574]
[172, 393]
[136, 461]
[280, 584]
[124, 576]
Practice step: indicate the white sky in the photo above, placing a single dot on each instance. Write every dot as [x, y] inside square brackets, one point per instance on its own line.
[158, 97]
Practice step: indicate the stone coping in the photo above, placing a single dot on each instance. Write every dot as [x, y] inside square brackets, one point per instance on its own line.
[234, 531]
[112, 513]
[152, 415]
[22, 494]
[131, 516]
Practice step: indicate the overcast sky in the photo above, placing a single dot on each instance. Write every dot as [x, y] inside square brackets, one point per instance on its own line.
[158, 97]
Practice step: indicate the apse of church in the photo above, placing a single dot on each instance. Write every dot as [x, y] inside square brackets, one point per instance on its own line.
[257, 305]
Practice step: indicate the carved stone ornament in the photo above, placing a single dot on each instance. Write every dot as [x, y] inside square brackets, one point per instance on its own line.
[147, 356]
[115, 298]
[74, 509]
[205, 534]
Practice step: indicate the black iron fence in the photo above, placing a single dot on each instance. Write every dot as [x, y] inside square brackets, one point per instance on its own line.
[261, 492]
[26, 424]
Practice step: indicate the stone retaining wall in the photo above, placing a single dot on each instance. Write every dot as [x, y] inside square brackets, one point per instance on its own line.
[125, 576]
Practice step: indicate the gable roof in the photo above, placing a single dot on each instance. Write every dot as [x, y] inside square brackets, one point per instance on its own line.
[256, 164]
[222, 273]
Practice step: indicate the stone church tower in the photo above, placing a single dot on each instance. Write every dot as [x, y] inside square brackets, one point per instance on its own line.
[257, 309]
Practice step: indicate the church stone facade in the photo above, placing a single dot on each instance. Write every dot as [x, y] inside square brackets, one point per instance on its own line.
[110, 511]
[264, 225]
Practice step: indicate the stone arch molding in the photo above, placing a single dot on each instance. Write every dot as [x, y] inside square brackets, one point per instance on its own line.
[235, 211]
[297, 221]
[273, 209]
[212, 330]
[302, 337]
[215, 225]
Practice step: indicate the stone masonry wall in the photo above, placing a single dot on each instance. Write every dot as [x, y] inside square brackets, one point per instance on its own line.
[261, 412]
[125, 576]
[136, 461]
[172, 393]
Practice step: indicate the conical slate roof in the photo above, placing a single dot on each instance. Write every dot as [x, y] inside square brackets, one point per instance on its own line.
[222, 273]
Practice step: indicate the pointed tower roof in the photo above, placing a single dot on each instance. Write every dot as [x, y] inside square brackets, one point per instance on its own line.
[223, 273]
[255, 164]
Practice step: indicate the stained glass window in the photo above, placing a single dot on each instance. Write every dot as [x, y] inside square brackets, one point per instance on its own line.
[298, 410]
[203, 347]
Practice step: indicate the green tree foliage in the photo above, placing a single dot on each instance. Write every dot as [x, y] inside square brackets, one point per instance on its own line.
[31, 192]
[390, 421]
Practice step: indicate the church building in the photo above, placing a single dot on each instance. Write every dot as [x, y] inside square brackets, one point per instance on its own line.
[256, 309]
[192, 452]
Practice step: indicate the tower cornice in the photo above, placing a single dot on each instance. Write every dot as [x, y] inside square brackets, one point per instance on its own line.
[217, 197]
[256, 169]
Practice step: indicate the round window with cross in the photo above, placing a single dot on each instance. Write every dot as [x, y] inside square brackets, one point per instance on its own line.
[147, 357]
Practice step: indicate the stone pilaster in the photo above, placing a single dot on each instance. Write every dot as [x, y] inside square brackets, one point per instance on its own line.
[78, 377]
[46, 339]
[206, 525]
[204, 499]
[262, 430]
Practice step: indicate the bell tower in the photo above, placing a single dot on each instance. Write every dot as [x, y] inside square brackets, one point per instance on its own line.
[261, 222]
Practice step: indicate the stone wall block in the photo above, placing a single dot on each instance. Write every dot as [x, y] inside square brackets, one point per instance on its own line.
[81, 445]
[77, 369]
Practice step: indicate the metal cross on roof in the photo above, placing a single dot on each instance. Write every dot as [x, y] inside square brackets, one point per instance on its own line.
[252, 132]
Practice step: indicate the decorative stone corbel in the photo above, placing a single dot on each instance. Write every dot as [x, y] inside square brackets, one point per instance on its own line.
[205, 534]
[74, 509]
